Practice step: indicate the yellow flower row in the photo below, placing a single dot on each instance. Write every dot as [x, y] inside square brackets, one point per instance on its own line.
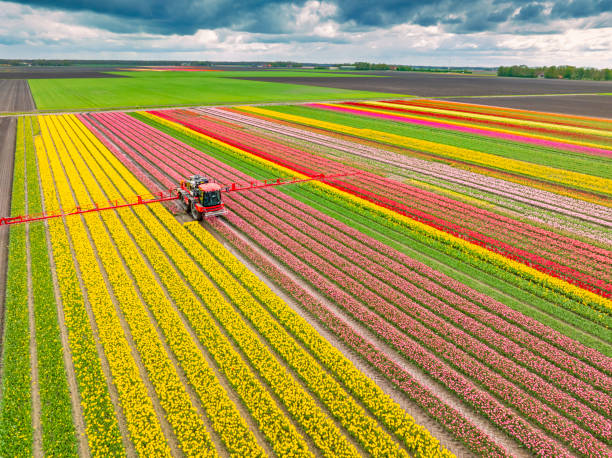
[517, 122]
[329, 391]
[281, 434]
[339, 402]
[100, 422]
[300, 405]
[181, 414]
[382, 105]
[566, 177]
[454, 194]
[419, 441]
[224, 415]
[581, 295]
[144, 427]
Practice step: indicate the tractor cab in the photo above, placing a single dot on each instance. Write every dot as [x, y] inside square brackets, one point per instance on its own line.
[201, 197]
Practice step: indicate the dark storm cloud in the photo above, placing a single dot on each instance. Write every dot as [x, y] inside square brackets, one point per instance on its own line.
[581, 8]
[185, 17]
[167, 17]
[530, 13]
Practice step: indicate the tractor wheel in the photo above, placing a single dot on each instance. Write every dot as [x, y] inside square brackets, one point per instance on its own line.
[195, 213]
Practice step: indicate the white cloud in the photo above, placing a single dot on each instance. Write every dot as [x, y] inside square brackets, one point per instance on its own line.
[312, 35]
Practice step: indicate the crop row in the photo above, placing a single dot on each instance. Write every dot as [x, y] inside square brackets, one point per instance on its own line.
[484, 241]
[144, 427]
[568, 178]
[16, 401]
[528, 119]
[304, 367]
[525, 194]
[100, 422]
[180, 413]
[58, 432]
[393, 113]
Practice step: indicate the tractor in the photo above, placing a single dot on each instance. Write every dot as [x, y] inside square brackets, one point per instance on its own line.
[201, 197]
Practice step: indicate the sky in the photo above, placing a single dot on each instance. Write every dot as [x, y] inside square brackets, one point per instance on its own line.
[413, 32]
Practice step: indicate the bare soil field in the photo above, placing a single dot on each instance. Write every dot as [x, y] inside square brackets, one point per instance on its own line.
[58, 72]
[583, 105]
[437, 85]
[7, 155]
[15, 95]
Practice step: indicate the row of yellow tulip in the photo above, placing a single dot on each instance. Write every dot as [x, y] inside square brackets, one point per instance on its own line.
[223, 414]
[506, 120]
[383, 108]
[225, 419]
[142, 422]
[419, 441]
[174, 399]
[352, 417]
[364, 428]
[512, 267]
[101, 424]
[565, 177]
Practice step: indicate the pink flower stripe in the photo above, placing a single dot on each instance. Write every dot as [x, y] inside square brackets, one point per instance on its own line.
[425, 327]
[420, 197]
[527, 115]
[544, 332]
[533, 260]
[470, 130]
[447, 416]
[179, 172]
[486, 122]
[423, 289]
[524, 194]
[432, 202]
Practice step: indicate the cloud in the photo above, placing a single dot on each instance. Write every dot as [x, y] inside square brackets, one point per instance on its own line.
[284, 16]
[446, 32]
[531, 12]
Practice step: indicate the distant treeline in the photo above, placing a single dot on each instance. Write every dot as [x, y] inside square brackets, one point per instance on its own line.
[563, 71]
[405, 68]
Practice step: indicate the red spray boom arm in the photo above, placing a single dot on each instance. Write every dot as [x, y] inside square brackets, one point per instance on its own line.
[163, 196]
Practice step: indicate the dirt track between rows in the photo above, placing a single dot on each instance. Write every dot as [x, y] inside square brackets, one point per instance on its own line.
[443, 85]
[15, 96]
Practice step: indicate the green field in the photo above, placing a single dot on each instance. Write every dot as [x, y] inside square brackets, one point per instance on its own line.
[156, 89]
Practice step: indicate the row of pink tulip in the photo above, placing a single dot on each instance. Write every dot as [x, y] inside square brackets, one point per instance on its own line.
[447, 348]
[182, 171]
[524, 194]
[595, 151]
[561, 340]
[439, 299]
[302, 162]
[450, 418]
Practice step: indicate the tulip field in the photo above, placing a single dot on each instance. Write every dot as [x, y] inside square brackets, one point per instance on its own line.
[450, 296]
